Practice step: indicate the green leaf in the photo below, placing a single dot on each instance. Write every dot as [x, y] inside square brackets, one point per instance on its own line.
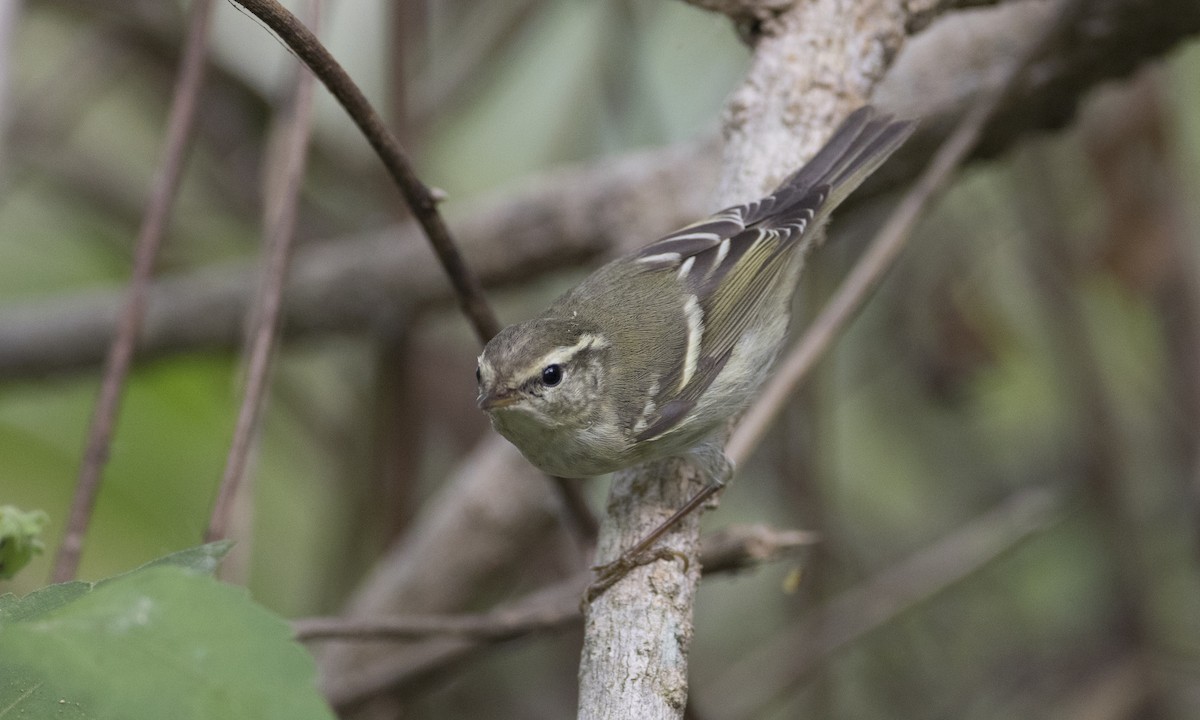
[20, 538]
[38, 602]
[164, 641]
[202, 559]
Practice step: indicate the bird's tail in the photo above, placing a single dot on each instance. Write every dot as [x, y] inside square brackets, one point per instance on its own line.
[864, 140]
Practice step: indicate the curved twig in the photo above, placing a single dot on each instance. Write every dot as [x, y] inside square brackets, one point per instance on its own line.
[420, 198]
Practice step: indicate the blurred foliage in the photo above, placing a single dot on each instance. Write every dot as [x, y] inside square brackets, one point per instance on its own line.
[965, 381]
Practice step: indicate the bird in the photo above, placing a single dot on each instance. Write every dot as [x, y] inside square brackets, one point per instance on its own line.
[656, 351]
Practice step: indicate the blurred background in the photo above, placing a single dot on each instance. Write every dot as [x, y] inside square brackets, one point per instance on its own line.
[1001, 456]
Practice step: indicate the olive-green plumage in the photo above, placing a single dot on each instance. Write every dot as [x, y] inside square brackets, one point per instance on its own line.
[656, 350]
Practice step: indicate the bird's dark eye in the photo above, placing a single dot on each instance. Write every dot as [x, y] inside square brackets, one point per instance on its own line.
[478, 375]
[552, 375]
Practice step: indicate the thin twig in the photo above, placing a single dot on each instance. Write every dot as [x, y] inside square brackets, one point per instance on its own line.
[280, 229]
[419, 197]
[1104, 448]
[739, 547]
[116, 367]
[484, 32]
[493, 626]
[545, 610]
[883, 251]
[773, 669]
[10, 11]
[397, 672]
[735, 548]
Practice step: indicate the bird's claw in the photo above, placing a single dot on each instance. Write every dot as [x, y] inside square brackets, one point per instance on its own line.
[609, 574]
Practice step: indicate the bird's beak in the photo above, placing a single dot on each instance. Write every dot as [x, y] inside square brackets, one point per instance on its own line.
[498, 399]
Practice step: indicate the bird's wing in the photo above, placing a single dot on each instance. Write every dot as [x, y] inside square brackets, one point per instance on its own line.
[725, 270]
[728, 262]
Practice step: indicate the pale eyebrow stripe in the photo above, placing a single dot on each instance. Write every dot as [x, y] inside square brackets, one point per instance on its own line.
[560, 355]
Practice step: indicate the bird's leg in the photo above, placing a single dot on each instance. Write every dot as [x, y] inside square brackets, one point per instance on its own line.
[711, 459]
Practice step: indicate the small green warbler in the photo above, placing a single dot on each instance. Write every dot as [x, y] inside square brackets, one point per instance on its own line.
[655, 351]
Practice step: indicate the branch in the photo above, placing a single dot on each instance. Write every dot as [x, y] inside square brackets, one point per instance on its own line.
[492, 508]
[740, 547]
[883, 251]
[848, 617]
[546, 610]
[1119, 37]
[531, 615]
[561, 219]
[420, 199]
[753, 17]
[120, 357]
[396, 672]
[280, 227]
[549, 609]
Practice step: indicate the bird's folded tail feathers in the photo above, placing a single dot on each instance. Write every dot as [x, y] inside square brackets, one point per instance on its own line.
[864, 140]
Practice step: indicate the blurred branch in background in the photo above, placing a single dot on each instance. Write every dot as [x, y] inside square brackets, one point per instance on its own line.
[553, 226]
[486, 32]
[120, 355]
[9, 11]
[349, 285]
[1146, 246]
[123, 37]
[776, 668]
[1102, 450]
[491, 509]
[550, 608]
[294, 131]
